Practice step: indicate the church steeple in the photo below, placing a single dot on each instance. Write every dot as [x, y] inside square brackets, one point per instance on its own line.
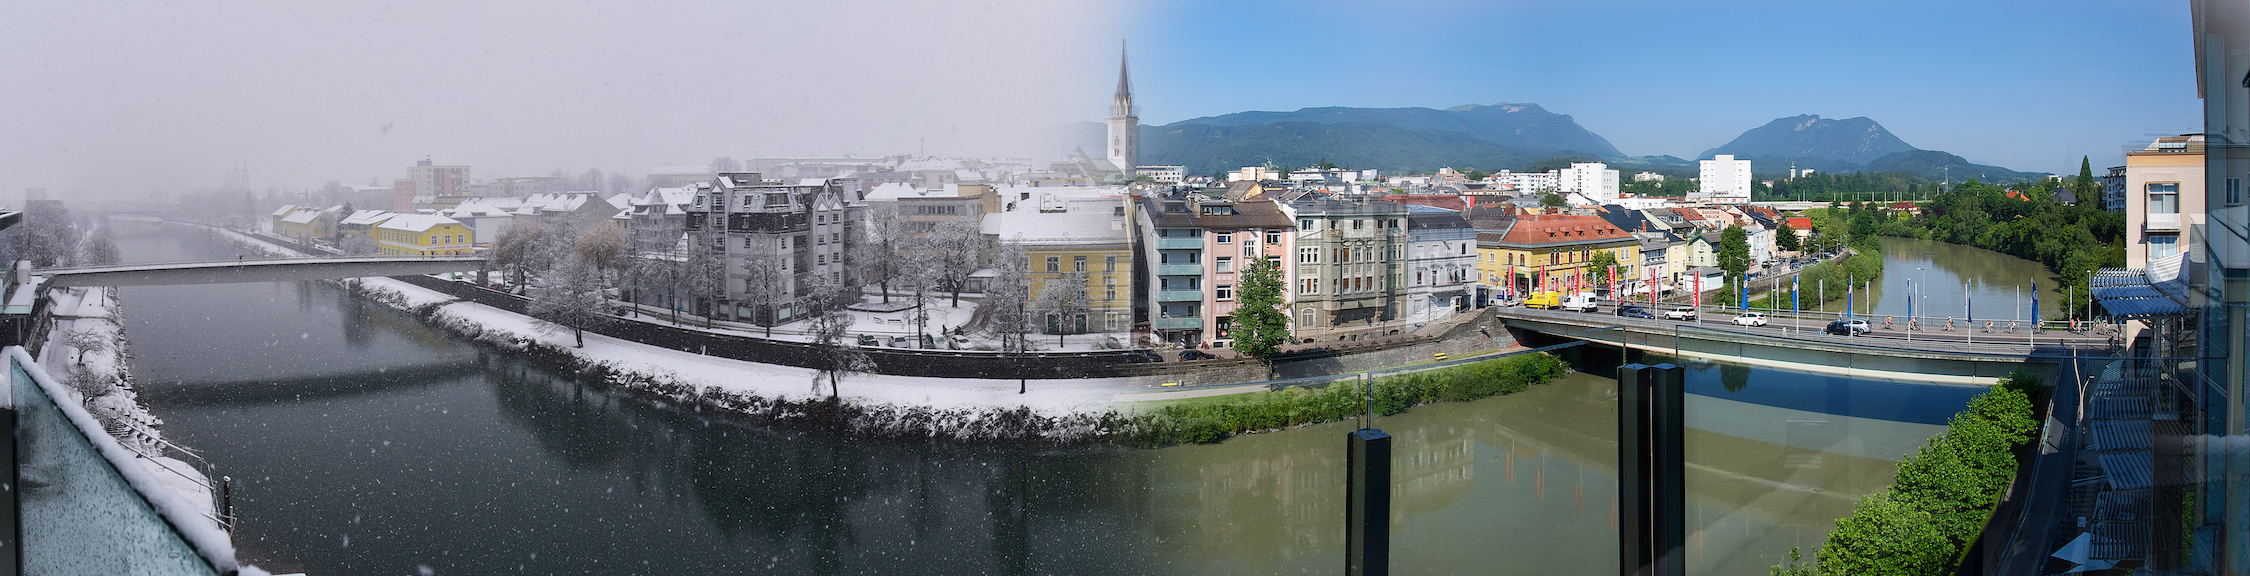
[1124, 127]
[1122, 103]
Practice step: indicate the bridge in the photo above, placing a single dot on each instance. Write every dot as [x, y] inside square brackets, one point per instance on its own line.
[242, 270]
[1959, 357]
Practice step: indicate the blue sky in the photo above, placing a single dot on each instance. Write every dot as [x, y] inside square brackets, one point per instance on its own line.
[2024, 85]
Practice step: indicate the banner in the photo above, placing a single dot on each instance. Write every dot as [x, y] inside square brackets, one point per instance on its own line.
[1698, 290]
[1796, 288]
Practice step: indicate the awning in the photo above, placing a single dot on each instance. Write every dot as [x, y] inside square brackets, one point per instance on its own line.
[2114, 435]
[2133, 294]
[2077, 552]
[2128, 471]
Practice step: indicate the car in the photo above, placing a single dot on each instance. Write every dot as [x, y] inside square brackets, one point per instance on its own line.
[1580, 303]
[866, 340]
[1751, 319]
[1191, 355]
[1681, 313]
[898, 342]
[1142, 356]
[1634, 312]
[1852, 327]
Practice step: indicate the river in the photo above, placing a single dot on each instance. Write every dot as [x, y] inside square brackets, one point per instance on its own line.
[365, 443]
[1951, 278]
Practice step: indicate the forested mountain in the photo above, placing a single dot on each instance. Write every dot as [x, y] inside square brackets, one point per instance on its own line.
[1811, 139]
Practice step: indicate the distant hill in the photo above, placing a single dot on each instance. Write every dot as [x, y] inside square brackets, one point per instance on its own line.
[1934, 165]
[1810, 139]
[1491, 137]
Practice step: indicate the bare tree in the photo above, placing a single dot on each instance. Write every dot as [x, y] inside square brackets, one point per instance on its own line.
[622, 183]
[86, 341]
[517, 248]
[49, 237]
[359, 245]
[702, 277]
[1007, 295]
[765, 279]
[570, 297]
[1064, 302]
[878, 255]
[652, 265]
[604, 247]
[954, 249]
[101, 248]
[829, 326]
[725, 164]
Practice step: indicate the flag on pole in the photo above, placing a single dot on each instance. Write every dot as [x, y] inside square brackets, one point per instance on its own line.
[1742, 288]
[1698, 290]
[1613, 287]
[1795, 284]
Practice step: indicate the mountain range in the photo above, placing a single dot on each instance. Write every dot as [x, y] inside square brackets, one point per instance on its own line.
[1512, 136]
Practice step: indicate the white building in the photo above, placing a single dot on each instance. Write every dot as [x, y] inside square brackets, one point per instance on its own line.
[1594, 180]
[1124, 127]
[1648, 177]
[1162, 174]
[1725, 180]
[1549, 181]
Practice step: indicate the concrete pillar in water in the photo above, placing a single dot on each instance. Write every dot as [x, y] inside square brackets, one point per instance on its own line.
[1651, 476]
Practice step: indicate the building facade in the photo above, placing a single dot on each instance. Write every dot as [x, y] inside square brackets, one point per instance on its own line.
[1124, 127]
[422, 235]
[1442, 259]
[1074, 236]
[1201, 247]
[802, 231]
[2164, 195]
[1553, 252]
[1594, 180]
[1725, 180]
[1350, 267]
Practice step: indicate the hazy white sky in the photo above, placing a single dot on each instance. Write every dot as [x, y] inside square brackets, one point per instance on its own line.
[128, 97]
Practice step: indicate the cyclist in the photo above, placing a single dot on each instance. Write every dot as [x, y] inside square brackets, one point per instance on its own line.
[1887, 322]
[1988, 326]
[1949, 323]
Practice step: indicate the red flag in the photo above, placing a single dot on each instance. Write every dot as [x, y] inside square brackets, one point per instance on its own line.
[1698, 290]
[1613, 287]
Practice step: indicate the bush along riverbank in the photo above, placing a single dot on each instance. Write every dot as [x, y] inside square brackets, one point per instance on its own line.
[1941, 498]
[1203, 423]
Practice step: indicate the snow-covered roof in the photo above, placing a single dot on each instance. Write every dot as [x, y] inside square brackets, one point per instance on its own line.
[367, 217]
[890, 191]
[415, 222]
[1082, 221]
[474, 209]
[620, 201]
[301, 217]
[285, 210]
[553, 202]
[670, 196]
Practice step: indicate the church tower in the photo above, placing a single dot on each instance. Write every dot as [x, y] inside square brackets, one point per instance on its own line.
[1124, 127]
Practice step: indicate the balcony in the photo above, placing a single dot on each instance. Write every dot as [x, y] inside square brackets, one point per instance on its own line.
[1179, 269]
[1179, 295]
[2162, 223]
[1179, 243]
[1178, 323]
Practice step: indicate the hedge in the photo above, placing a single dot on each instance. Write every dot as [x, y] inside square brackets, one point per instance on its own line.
[1207, 423]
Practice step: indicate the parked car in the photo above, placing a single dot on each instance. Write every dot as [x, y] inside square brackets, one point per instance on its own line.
[1751, 319]
[866, 340]
[1191, 355]
[1544, 301]
[1852, 327]
[898, 342]
[1634, 312]
[1681, 313]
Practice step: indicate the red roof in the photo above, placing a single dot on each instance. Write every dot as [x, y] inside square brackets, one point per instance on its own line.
[1798, 223]
[1550, 228]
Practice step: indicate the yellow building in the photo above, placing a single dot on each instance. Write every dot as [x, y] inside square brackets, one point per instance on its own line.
[423, 235]
[1542, 252]
[1070, 233]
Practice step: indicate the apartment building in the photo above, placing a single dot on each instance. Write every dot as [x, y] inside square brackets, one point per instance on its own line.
[1551, 252]
[1350, 267]
[1071, 236]
[1198, 249]
[2164, 185]
[1725, 180]
[1442, 260]
[805, 230]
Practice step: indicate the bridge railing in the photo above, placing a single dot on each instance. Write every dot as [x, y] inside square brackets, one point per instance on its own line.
[1998, 326]
[81, 502]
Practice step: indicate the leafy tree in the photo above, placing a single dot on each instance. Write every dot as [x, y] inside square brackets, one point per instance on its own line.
[1552, 200]
[1734, 251]
[570, 297]
[1598, 267]
[1475, 175]
[1786, 238]
[2085, 186]
[1260, 324]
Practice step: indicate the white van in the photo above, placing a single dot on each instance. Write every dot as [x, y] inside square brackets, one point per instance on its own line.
[1580, 302]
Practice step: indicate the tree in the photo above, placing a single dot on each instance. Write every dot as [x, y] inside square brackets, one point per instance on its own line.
[570, 297]
[829, 326]
[517, 248]
[1006, 295]
[1552, 200]
[878, 254]
[1260, 324]
[1734, 251]
[765, 279]
[1064, 301]
[953, 249]
[604, 247]
[702, 276]
[2084, 186]
[1599, 266]
[86, 341]
[1786, 238]
[101, 248]
[725, 164]
[360, 245]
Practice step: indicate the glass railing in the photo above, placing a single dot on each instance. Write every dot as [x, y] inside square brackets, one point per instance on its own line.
[86, 504]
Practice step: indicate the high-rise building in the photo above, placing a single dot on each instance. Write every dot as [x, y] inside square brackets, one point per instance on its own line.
[1725, 180]
[1594, 180]
[1124, 127]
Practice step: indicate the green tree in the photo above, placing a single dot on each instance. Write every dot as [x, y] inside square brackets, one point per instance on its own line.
[1734, 251]
[1552, 200]
[1599, 265]
[1786, 238]
[1260, 325]
[2084, 186]
[1475, 175]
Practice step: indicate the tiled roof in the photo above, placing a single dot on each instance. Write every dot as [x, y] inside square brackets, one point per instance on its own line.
[1538, 229]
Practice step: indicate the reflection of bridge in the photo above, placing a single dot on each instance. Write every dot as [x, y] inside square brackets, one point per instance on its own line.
[1941, 357]
[259, 270]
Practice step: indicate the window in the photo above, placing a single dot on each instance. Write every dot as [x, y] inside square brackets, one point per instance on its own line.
[820, 259]
[1359, 223]
[1308, 224]
[1226, 238]
[1226, 292]
[2164, 198]
[1273, 237]
[745, 243]
[1308, 286]
[1109, 288]
[1054, 263]
[1078, 263]
[2234, 192]
[1305, 318]
[1308, 255]
[1226, 264]
[2163, 246]
[1109, 263]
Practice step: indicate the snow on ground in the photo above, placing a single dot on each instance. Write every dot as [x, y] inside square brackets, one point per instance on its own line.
[1049, 397]
[943, 316]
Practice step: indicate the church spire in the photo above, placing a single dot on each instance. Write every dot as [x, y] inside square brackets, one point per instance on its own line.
[1122, 104]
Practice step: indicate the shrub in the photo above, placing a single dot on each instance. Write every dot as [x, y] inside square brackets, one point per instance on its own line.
[1206, 423]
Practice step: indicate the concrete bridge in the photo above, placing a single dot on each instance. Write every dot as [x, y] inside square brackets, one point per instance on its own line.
[1958, 357]
[255, 270]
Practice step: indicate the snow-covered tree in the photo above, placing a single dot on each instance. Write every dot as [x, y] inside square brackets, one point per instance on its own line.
[361, 245]
[829, 328]
[702, 277]
[954, 249]
[765, 279]
[1064, 302]
[86, 341]
[101, 248]
[878, 256]
[1006, 297]
[517, 248]
[570, 297]
[604, 246]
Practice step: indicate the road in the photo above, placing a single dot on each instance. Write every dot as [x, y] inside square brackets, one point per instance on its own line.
[1810, 327]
